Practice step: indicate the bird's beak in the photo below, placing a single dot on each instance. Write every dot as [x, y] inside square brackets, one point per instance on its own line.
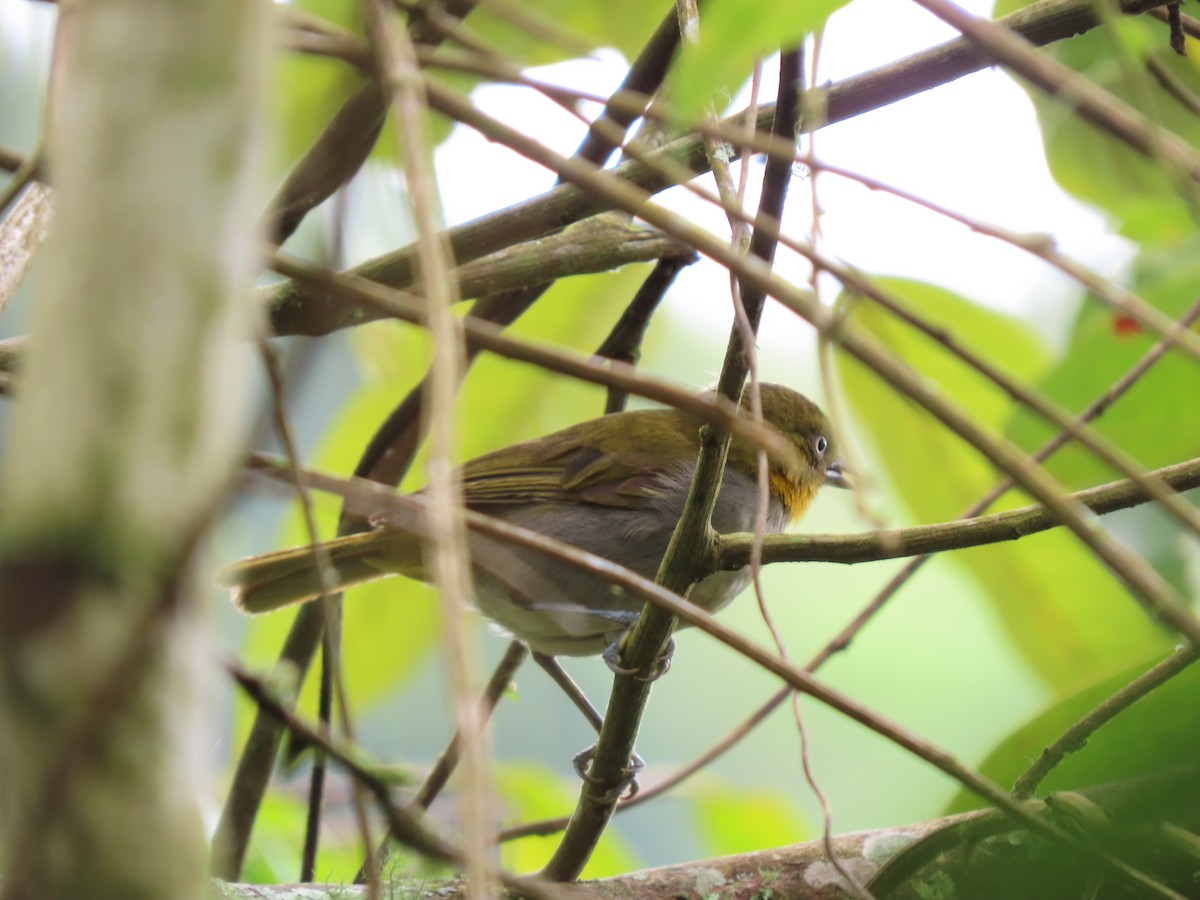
[836, 475]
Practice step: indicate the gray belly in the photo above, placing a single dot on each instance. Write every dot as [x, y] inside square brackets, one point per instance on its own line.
[561, 610]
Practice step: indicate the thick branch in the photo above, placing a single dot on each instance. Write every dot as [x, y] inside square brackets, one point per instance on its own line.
[914, 858]
[600, 244]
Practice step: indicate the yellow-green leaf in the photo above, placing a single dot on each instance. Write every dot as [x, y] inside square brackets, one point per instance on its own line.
[733, 34]
[1061, 608]
[733, 821]
[1161, 731]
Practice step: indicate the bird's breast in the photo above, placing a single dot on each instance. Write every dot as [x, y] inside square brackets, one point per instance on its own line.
[795, 496]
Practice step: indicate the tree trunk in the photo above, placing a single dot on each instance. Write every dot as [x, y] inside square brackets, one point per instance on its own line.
[121, 440]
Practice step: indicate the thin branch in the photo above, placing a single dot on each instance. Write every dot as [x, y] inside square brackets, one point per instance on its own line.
[624, 342]
[644, 78]
[1119, 297]
[407, 828]
[733, 551]
[1076, 737]
[447, 553]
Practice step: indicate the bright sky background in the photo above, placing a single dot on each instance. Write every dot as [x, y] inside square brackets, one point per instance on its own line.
[971, 145]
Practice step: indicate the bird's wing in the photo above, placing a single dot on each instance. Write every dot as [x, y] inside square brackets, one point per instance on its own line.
[597, 462]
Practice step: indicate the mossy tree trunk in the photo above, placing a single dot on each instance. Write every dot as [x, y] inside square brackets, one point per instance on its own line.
[121, 442]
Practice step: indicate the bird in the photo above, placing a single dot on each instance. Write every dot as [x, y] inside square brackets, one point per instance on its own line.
[613, 486]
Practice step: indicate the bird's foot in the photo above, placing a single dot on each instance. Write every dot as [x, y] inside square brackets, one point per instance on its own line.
[662, 664]
[625, 789]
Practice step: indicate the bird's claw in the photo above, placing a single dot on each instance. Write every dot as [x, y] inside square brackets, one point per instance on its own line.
[662, 664]
[628, 780]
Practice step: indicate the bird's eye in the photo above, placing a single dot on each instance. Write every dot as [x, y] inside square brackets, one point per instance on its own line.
[822, 444]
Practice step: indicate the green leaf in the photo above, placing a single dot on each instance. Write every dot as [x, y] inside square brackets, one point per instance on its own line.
[278, 843]
[739, 821]
[554, 30]
[733, 34]
[1102, 170]
[935, 473]
[1069, 636]
[1146, 422]
[1160, 731]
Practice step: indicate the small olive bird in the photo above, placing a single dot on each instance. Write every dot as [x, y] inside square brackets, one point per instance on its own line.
[613, 486]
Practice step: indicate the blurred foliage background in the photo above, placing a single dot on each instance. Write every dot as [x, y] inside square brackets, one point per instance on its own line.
[990, 652]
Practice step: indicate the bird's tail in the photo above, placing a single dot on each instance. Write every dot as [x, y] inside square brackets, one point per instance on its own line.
[274, 580]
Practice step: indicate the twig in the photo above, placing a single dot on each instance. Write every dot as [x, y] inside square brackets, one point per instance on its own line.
[442, 769]
[448, 557]
[1120, 298]
[405, 826]
[733, 551]
[1076, 737]
[624, 342]
[644, 78]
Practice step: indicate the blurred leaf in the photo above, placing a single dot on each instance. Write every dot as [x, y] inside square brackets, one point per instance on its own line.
[959, 473]
[278, 842]
[1099, 169]
[934, 472]
[531, 793]
[736, 821]
[1146, 421]
[534, 40]
[733, 34]
[1159, 732]
[275, 848]
[1070, 637]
